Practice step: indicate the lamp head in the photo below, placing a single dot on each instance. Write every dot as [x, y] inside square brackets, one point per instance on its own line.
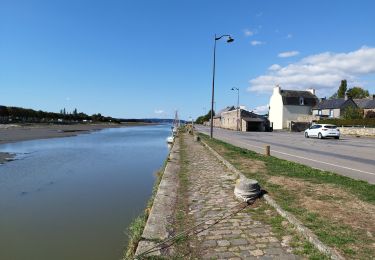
[230, 39]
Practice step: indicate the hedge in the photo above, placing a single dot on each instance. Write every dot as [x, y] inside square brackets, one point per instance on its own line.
[369, 122]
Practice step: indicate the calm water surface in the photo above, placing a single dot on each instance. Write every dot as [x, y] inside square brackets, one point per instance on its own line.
[73, 198]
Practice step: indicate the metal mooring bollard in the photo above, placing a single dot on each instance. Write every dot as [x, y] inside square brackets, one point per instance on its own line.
[268, 150]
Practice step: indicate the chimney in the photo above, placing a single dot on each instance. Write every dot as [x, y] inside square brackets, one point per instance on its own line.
[276, 89]
[311, 90]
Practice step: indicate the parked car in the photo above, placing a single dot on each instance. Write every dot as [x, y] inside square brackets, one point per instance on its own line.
[322, 131]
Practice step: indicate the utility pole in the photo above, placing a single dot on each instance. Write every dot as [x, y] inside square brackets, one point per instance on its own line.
[238, 107]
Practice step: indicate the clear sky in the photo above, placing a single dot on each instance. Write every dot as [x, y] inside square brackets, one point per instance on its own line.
[136, 59]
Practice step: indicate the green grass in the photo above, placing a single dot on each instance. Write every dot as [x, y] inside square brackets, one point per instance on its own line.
[276, 166]
[182, 218]
[350, 241]
[299, 244]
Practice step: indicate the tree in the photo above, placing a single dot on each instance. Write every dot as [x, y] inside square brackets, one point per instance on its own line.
[204, 118]
[352, 113]
[342, 89]
[357, 92]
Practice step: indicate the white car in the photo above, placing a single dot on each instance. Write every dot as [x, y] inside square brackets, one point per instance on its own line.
[322, 131]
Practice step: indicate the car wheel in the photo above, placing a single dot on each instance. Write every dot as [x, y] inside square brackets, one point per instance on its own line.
[306, 135]
[337, 137]
[320, 136]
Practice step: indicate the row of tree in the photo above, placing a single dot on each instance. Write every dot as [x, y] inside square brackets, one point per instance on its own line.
[24, 115]
[204, 118]
[354, 92]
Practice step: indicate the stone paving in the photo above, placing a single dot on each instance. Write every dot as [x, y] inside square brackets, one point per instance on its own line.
[210, 191]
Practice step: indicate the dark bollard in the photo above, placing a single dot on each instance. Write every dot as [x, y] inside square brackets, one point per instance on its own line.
[268, 150]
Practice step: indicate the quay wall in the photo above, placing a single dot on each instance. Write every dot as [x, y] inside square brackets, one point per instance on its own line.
[158, 223]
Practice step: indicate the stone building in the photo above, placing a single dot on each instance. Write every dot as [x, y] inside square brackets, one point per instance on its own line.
[217, 117]
[367, 104]
[243, 120]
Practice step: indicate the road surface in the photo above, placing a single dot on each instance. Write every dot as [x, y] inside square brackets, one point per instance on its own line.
[348, 156]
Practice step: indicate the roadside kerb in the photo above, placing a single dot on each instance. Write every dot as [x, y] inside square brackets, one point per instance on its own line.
[307, 233]
[159, 220]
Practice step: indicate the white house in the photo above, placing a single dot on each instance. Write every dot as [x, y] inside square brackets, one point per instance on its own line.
[288, 105]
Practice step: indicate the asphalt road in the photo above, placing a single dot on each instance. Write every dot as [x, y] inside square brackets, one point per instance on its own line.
[348, 156]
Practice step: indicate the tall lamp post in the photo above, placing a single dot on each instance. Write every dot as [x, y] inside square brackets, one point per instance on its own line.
[238, 106]
[229, 40]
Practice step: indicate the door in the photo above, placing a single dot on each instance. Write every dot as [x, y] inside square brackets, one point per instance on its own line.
[314, 130]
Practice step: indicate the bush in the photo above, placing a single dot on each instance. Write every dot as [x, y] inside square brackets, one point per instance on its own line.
[352, 113]
[370, 114]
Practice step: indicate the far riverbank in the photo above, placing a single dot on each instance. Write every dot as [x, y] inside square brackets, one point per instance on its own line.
[11, 133]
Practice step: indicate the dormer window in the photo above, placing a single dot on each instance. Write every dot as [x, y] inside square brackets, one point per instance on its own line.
[301, 101]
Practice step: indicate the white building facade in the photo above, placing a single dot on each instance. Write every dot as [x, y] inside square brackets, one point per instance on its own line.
[288, 105]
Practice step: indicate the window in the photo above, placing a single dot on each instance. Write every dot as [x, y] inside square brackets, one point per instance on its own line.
[331, 113]
[319, 112]
[315, 126]
[301, 101]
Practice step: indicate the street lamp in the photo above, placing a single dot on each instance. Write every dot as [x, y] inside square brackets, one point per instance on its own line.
[238, 105]
[229, 40]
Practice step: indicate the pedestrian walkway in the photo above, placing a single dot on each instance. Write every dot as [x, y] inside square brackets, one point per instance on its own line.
[210, 191]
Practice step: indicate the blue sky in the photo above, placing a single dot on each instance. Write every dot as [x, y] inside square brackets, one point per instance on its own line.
[135, 59]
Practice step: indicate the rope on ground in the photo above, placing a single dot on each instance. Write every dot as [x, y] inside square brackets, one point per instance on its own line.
[163, 244]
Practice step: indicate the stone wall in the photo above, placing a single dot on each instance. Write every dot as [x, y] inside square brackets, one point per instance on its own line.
[158, 223]
[229, 119]
[361, 131]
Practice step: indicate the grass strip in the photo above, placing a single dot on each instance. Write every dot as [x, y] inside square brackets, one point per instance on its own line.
[352, 242]
[276, 166]
[183, 249]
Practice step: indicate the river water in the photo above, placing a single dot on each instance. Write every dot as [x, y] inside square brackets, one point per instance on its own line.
[73, 198]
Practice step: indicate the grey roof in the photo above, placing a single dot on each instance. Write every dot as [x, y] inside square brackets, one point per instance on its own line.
[229, 108]
[292, 97]
[248, 114]
[336, 103]
[365, 103]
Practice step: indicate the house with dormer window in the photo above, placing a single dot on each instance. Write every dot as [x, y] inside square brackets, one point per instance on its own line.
[333, 108]
[288, 105]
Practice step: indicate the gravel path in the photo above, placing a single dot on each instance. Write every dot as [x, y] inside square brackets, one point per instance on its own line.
[210, 191]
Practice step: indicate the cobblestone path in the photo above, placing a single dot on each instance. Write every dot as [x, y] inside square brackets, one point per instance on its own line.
[210, 191]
